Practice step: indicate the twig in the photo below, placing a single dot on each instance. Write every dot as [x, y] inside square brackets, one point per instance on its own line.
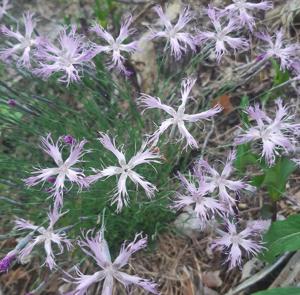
[277, 87]
[209, 134]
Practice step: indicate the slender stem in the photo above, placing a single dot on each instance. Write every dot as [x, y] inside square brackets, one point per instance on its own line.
[274, 211]
[236, 207]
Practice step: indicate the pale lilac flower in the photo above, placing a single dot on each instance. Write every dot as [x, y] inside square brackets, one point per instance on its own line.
[116, 46]
[276, 47]
[233, 243]
[221, 181]
[177, 38]
[125, 170]
[295, 65]
[64, 169]
[275, 134]
[68, 58]
[22, 45]
[97, 248]
[243, 10]
[178, 118]
[259, 226]
[45, 236]
[4, 6]
[221, 36]
[204, 207]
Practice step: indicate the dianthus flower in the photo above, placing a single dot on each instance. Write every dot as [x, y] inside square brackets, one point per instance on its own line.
[221, 181]
[221, 36]
[64, 169]
[279, 49]
[45, 236]
[72, 54]
[275, 134]
[22, 45]
[295, 65]
[116, 46]
[125, 170]
[178, 118]
[258, 226]
[234, 242]
[205, 207]
[97, 248]
[178, 40]
[242, 10]
[4, 7]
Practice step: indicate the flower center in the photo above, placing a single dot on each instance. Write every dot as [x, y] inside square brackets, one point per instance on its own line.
[47, 235]
[115, 46]
[27, 42]
[66, 59]
[236, 239]
[63, 168]
[172, 33]
[218, 179]
[125, 168]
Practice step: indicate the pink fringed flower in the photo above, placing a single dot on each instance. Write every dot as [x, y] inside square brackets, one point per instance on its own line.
[97, 248]
[116, 46]
[178, 40]
[243, 9]
[22, 45]
[221, 36]
[125, 170]
[275, 134]
[4, 7]
[64, 169]
[178, 118]
[258, 226]
[204, 207]
[72, 54]
[277, 48]
[44, 236]
[221, 181]
[233, 243]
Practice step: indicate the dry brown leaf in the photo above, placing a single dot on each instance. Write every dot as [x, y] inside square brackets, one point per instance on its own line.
[225, 102]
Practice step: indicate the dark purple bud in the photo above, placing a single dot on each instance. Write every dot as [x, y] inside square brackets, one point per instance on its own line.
[51, 179]
[260, 57]
[6, 262]
[11, 102]
[69, 139]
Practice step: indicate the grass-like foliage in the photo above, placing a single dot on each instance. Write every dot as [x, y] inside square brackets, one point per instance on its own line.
[82, 112]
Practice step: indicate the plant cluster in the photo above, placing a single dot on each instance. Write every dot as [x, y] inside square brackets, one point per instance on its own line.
[211, 194]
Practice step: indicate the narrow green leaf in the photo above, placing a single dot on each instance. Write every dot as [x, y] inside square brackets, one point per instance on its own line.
[244, 105]
[258, 180]
[244, 157]
[280, 76]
